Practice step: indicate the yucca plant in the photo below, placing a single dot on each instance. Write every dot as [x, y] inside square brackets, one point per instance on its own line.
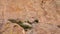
[25, 26]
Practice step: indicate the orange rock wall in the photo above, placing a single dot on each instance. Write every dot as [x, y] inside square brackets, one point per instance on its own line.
[46, 11]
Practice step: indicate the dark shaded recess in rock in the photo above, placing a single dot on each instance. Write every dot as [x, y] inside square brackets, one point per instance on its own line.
[36, 20]
[58, 26]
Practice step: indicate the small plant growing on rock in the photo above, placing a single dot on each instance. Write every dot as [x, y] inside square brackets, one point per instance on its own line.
[24, 25]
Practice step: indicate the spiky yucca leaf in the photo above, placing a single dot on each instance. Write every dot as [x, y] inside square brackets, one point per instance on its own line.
[12, 20]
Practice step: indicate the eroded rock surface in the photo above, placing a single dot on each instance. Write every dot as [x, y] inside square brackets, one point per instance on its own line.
[11, 28]
[46, 11]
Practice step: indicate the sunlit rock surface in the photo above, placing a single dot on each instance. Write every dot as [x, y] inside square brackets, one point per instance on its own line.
[46, 11]
[11, 28]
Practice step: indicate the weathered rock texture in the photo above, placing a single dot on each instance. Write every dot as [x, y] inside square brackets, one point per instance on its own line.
[46, 11]
[11, 28]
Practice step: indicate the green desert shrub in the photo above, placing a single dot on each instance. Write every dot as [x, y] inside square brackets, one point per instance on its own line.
[20, 23]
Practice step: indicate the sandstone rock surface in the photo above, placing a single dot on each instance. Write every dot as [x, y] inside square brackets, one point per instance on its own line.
[46, 11]
[11, 28]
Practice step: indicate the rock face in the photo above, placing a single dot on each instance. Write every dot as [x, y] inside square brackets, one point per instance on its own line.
[46, 11]
[11, 28]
